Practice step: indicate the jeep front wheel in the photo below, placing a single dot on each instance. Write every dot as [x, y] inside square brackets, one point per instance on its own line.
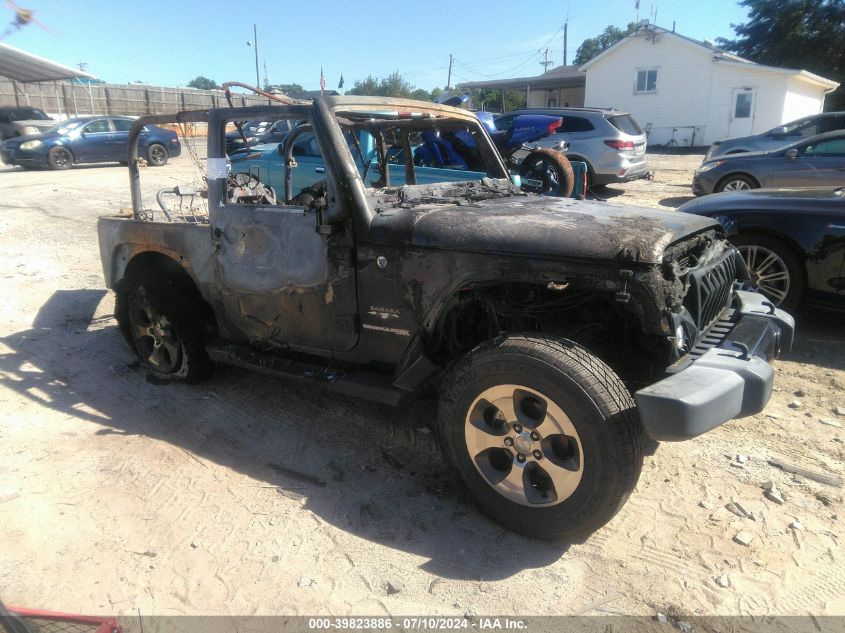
[544, 435]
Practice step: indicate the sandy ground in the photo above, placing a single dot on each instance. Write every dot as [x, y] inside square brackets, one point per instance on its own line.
[117, 495]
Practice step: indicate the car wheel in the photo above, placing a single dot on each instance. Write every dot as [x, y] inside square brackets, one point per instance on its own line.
[547, 171]
[59, 158]
[157, 155]
[775, 269]
[737, 182]
[160, 323]
[544, 435]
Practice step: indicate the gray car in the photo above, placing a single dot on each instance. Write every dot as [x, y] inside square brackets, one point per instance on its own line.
[816, 162]
[781, 135]
[611, 142]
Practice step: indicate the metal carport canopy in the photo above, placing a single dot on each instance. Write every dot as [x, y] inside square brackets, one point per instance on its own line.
[25, 67]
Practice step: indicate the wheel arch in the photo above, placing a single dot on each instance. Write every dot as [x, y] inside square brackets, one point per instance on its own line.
[65, 146]
[796, 249]
[780, 236]
[163, 266]
[425, 355]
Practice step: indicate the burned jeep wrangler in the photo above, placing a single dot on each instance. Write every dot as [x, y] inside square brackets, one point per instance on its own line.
[557, 332]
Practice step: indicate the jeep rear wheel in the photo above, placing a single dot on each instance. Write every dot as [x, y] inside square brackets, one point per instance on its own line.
[159, 323]
[544, 435]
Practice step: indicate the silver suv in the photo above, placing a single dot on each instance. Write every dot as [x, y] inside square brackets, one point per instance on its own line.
[23, 120]
[610, 142]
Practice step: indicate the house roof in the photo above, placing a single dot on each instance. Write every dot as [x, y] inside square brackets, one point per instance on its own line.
[557, 77]
[26, 67]
[719, 55]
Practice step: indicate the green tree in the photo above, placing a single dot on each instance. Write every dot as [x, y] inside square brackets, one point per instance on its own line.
[292, 90]
[394, 85]
[203, 83]
[491, 100]
[806, 34]
[592, 46]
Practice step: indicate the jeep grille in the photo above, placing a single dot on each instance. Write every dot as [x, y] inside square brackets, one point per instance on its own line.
[710, 289]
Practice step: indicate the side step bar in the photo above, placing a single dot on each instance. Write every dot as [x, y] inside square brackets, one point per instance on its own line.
[362, 384]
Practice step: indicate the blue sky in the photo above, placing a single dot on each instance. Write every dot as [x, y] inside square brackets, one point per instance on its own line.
[169, 43]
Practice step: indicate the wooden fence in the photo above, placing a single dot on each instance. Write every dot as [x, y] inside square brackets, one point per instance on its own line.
[70, 99]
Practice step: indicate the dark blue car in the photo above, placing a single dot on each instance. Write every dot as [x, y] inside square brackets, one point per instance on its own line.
[89, 140]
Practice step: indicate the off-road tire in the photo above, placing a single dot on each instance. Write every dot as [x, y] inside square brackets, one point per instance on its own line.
[157, 155]
[173, 300]
[593, 397]
[555, 161]
[59, 158]
[788, 260]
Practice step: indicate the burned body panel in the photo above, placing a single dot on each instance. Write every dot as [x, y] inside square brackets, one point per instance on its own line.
[122, 239]
[531, 226]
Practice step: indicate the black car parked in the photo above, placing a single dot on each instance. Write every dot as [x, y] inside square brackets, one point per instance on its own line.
[792, 240]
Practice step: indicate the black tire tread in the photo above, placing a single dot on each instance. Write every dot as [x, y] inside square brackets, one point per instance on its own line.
[561, 161]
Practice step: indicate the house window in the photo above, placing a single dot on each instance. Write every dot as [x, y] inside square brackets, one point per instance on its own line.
[646, 80]
[742, 110]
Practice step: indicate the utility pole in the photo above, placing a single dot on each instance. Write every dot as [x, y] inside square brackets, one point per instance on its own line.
[254, 44]
[266, 81]
[449, 79]
[546, 62]
[565, 39]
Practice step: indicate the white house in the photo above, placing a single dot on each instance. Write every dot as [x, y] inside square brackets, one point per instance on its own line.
[693, 93]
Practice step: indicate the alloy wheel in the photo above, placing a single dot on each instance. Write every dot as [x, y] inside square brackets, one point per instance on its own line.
[156, 341]
[768, 271]
[157, 155]
[61, 157]
[736, 185]
[524, 445]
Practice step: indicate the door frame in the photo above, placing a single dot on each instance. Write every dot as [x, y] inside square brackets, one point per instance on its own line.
[735, 92]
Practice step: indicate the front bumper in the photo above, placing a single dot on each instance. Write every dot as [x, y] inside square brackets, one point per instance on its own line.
[17, 156]
[729, 381]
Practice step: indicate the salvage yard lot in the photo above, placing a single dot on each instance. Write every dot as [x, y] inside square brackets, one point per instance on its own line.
[251, 495]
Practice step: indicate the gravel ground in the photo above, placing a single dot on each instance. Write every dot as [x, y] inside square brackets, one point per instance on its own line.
[117, 495]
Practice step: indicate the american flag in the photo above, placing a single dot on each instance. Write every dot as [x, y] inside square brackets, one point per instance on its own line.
[322, 81]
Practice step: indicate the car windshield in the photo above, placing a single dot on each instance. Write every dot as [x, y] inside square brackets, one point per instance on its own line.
[27, 114]
[251, 127]
[804, 128]
[65, 126]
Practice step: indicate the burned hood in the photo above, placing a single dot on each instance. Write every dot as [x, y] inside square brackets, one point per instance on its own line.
[539, 226]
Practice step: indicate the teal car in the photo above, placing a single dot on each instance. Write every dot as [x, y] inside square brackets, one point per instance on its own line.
[267, 163]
